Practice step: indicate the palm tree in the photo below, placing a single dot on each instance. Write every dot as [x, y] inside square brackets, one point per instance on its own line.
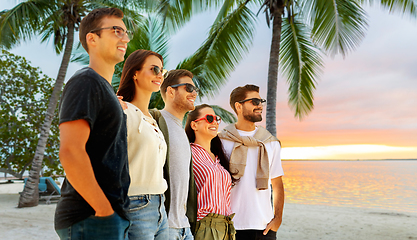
[57, 19]
[211, 64]
[302, 30]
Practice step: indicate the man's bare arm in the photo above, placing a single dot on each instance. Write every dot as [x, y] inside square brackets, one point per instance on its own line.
[278, 197]
[78, 168]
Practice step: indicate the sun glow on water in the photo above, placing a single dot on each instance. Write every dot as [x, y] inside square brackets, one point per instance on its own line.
[362, 151]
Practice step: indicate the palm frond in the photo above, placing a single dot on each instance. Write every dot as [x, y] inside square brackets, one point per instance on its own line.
[225, 46]
[226, 116]
[403, 7]
[338, 26]
[80, 55]
[227, 7]
[54, 26]
[127, 4]
[176, 13]
[133, 10]
[156, 101]
[301, 63]
[149, 35]
[22, 22]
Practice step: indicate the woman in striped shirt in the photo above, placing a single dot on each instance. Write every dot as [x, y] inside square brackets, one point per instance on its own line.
[212, 175]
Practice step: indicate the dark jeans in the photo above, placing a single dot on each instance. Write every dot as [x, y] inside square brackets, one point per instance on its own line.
[255, 235]
[112, 227]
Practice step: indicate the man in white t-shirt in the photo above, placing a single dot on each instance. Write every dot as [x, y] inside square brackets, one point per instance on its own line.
[255, 159]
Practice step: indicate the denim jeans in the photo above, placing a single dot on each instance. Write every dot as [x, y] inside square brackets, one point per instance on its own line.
[148, 218]
[112, 227]
[180, 234]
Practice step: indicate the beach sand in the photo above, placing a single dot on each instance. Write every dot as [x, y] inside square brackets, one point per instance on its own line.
[309, 222]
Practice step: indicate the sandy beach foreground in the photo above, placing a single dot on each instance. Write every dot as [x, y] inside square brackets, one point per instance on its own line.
[300, 221]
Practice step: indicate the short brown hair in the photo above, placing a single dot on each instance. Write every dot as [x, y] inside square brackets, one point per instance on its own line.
[239, 94]
[133, 63]
[173, 78]
[93, 21]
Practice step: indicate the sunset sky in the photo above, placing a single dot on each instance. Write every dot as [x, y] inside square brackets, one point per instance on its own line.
[365, 104]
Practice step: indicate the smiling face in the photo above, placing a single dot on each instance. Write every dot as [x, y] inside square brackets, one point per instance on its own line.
[108, 45]
[249, 111]
[203, 129]
[145, 79]
[184, 101]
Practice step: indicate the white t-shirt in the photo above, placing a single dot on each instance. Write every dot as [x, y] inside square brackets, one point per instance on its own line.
[253, 207]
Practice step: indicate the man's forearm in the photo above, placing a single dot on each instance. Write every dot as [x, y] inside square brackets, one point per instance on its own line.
[278, 196]
[278, 199]
[80, 174]
[77, 165]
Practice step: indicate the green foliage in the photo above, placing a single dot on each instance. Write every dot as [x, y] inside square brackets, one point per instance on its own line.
[24, 92]
[337, 28]
[301, 62]
[156, 101]
[226, 116]
[50, 19]
[229, 40]
[403, 7]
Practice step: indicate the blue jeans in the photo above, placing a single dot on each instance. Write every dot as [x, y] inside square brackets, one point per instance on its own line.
[148, 218]
[112, 227]
[180, 234]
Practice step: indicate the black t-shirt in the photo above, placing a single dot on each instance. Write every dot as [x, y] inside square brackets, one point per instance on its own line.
[89, 96]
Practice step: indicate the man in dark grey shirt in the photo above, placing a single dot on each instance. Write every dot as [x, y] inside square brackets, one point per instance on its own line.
[179, 94]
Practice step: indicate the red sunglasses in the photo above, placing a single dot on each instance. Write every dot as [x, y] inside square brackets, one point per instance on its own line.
[210, 118]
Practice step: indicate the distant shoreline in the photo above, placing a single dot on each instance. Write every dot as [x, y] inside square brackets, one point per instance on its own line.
[410, 159]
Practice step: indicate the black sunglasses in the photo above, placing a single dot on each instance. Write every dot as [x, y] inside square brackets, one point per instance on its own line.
[157, 70]
[188, 87]
[210, 118]
[255, 101]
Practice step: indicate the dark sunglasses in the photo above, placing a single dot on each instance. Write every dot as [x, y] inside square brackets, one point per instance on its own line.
[157, 70]
[210, 118]
[188, 87]
[255, 101]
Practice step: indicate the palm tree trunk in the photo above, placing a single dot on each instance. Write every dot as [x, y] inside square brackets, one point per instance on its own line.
[30, 194]
[271, 95]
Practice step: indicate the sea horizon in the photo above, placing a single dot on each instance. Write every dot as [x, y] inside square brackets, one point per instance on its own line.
[387, 159]
[389, 185]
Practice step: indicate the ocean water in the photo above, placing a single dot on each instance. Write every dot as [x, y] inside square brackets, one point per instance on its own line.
[388, 185]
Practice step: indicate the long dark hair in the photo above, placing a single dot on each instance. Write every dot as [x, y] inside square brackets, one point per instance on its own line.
[133, 63]
[216, 146]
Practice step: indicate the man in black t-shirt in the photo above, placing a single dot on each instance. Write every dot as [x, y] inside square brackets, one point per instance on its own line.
[93, 139]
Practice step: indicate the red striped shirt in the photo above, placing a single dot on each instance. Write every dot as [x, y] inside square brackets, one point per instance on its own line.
[213, 184]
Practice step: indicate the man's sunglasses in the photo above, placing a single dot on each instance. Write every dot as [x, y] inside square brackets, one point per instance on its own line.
[255, 101]
[188, 87]
[157, 70]
[210, 118]
[119, 31]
